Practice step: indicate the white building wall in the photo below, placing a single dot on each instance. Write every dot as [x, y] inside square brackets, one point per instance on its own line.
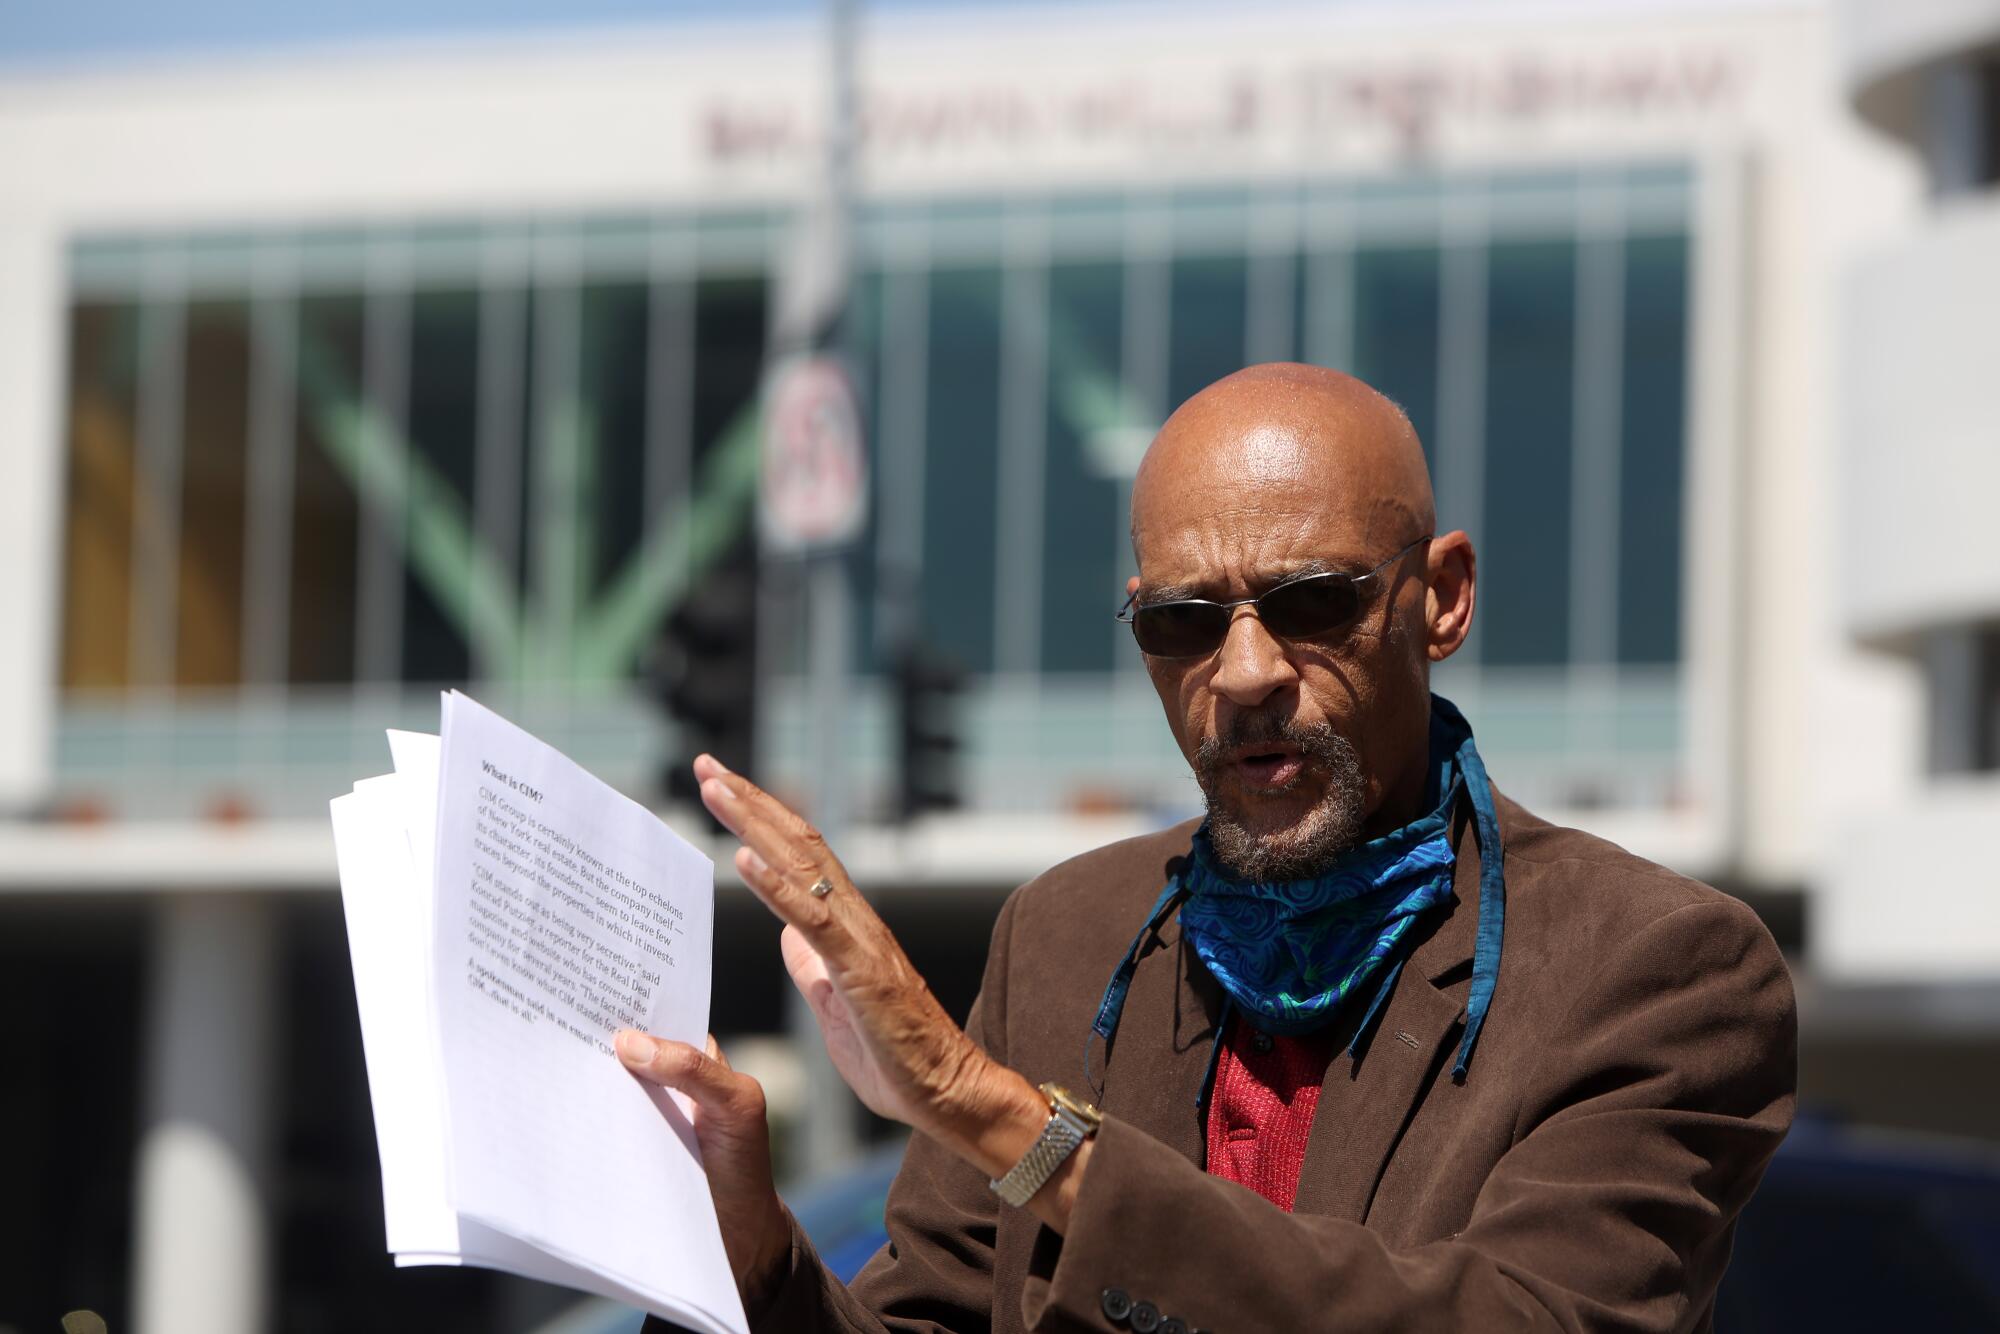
[1907, 890]
[1922, 453]
[1828, 728]
[31, 346]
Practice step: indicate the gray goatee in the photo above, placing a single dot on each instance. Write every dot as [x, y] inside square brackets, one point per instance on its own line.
[1311, 843]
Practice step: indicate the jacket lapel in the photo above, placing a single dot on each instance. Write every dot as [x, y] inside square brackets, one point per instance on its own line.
[1366, 1100]
[1160, 1055]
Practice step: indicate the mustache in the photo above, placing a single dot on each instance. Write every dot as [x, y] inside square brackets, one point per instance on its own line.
[1316, 741]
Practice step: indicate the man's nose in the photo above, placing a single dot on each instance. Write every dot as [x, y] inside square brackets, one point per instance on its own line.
[1253, 662]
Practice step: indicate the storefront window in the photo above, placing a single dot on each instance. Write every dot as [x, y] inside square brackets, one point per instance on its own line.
[306, 464]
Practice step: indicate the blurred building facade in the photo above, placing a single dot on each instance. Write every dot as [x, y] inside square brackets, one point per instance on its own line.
[1918, 457]
[330, 379]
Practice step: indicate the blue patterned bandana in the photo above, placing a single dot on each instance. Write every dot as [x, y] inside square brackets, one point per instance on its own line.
[1291, 953]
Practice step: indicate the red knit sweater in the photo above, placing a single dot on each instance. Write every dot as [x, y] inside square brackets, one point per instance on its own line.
[1261, 1108]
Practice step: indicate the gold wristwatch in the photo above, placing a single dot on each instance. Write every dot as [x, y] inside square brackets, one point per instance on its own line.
[1071, 1122]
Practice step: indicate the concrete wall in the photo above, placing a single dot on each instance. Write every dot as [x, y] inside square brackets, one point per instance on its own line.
[1922, 452]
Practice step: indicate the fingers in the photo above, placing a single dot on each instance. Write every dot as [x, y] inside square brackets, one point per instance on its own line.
[788, 892]
[838, 926]
[782, 858]
[741, 804]
[758, 818]
[705, 1077]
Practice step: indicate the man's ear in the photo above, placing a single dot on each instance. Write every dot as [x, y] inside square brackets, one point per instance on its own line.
[1132, 587]
[1453, 577]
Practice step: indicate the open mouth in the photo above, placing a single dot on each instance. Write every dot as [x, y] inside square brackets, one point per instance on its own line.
[1269, 768]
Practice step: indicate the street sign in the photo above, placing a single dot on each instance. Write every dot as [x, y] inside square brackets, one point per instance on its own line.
[815, 469]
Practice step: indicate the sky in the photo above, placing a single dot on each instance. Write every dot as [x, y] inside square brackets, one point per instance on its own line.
[44, 32]
[59, 33]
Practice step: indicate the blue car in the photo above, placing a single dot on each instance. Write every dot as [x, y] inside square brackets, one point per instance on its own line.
[1858, 1229]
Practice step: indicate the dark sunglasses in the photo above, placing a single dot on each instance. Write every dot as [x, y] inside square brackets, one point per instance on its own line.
[1304, 608]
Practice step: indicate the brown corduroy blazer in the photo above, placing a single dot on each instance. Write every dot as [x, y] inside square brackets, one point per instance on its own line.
[1634, 1076]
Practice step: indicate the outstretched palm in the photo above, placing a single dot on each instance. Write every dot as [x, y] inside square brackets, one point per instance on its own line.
[886, 1033]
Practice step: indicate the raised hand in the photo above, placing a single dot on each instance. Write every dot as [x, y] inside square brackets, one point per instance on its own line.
[888, 1036]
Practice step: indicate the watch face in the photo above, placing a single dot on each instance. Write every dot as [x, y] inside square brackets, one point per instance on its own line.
[1063, 1098]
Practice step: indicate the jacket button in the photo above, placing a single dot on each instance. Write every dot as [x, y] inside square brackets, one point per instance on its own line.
[1116, 1304]
[1145, 1318]
[1261, 1043]
[1173, 1324]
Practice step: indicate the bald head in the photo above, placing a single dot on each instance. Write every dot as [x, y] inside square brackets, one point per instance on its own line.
[1316, 433]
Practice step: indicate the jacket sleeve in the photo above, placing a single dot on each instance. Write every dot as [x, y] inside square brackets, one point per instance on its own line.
[934, 1276]
[1658, 1102]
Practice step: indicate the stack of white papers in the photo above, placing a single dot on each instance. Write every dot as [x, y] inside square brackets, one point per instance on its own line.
[507, 913]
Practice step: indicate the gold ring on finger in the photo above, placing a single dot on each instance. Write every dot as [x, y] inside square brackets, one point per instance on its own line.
[821, 888]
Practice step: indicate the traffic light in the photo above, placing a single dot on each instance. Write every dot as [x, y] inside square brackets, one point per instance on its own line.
[705, 674]
[927, 733]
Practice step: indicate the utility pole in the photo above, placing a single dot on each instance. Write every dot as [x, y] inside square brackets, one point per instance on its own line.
[815, 487]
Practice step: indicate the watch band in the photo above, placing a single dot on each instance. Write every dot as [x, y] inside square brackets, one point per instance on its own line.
[1067, 1128]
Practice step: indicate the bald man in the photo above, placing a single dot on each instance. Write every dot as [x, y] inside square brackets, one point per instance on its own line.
[1367, 1048]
